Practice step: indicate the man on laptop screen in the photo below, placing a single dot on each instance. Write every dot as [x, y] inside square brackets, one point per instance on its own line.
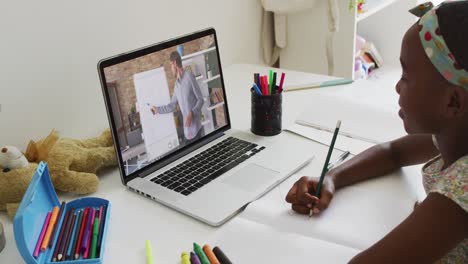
[188, 96]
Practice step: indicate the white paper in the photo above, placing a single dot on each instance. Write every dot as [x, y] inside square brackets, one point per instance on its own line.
[352, 219]
[358, 120]
[298, 79]
[245, 241]
[342, 143]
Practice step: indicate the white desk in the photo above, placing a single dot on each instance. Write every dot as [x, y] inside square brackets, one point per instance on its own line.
[376, 206]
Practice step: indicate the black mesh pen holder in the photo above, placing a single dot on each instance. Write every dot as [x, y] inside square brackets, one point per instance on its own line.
[266, 113]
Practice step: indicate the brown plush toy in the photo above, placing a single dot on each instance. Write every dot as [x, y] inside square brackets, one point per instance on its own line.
[72, 165]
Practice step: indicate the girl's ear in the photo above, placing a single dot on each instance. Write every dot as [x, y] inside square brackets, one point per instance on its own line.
[457, 102]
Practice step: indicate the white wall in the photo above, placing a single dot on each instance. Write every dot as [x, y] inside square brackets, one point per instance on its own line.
[49, 50]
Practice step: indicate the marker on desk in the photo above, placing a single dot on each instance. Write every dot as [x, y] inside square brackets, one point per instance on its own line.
[257, 89]
[41, 235]
[149, 252]
[221, 256]
[270, 82]
[280, 88]
[325, 165]
[194, 258]
[201, 255]
[274, 83]
[211, 256]
[262, 85]
[257, 79]
[185, 258]
[50, 227]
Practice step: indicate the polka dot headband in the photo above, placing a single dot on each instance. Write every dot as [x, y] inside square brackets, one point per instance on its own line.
[435, 47]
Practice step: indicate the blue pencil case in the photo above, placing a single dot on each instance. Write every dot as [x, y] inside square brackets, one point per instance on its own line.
[40, 199]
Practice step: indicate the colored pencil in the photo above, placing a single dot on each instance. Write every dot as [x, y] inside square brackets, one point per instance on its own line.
[94, 237]
[88, 234]
[59, 217]
[325, 165]
[68, 248]
[60, 237]
[42, 234]
[101, 229]
[66, 235]
[50, 227]
[71, 254]
[84, 220]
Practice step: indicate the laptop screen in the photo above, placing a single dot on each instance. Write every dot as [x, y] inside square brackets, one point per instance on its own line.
[163, 98]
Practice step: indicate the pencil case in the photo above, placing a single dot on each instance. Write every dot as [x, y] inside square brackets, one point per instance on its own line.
[40, 199]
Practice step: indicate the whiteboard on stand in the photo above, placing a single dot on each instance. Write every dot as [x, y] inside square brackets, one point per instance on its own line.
[159, 131]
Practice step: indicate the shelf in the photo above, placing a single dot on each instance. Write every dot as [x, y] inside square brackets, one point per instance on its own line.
[206, 122]
[199, 77]
[373, 6]
[197, 53]
[211, 79]
[215, 106]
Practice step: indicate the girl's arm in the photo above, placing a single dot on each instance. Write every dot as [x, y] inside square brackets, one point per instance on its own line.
[384, 158]
[435, 227]
[373, 162]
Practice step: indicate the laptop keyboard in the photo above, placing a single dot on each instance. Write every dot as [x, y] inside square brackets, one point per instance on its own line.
[206, 166]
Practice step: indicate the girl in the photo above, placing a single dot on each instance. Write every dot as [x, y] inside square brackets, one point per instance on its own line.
[433, 93]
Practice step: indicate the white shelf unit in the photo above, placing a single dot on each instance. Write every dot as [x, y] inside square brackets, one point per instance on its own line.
[212, 78]
[195, 54]
[383, 23]
[215, 106]
[373, 6]
[197, 62]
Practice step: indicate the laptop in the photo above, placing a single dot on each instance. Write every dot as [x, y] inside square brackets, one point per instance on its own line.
[200, 167]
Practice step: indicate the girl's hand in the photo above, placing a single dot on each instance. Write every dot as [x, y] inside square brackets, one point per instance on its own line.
[302, 197]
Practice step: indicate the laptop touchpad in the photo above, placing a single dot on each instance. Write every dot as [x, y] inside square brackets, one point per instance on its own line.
[251, 177]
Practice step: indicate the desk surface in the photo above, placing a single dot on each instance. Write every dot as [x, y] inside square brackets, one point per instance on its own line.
[335, 236]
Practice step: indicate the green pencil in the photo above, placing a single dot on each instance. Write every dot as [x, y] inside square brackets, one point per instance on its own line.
[327, 160]
[94, 239]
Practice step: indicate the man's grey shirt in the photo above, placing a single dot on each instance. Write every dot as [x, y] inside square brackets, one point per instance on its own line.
[188, 95]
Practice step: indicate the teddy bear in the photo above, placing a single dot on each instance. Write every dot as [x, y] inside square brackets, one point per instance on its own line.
[72, 166]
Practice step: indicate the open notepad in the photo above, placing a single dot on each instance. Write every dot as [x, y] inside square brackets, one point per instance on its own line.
[247, 241]
[362, 125]
[269, 231]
